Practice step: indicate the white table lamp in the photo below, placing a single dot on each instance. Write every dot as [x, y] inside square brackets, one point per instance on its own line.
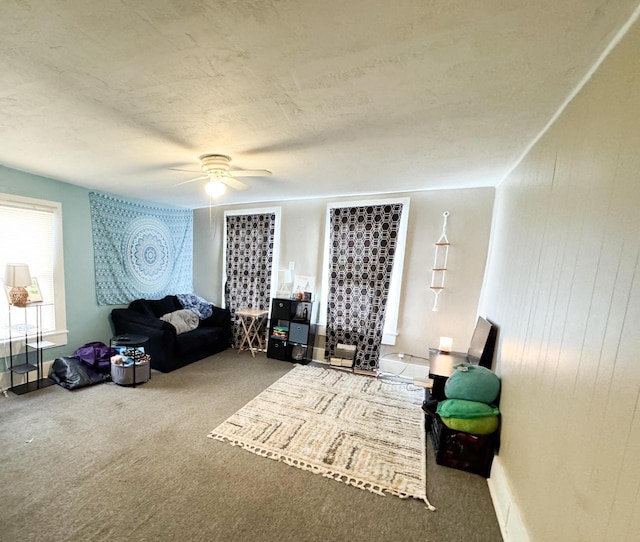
[446, 343]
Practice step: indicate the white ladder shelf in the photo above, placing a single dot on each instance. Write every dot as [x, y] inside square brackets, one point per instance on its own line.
[439, 269]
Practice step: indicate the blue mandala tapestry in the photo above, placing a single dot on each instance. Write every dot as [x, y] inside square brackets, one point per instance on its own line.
[140, 251]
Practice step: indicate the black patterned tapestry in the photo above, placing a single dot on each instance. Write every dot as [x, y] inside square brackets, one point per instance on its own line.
[362, 246]
[249, 258]
[140, 251]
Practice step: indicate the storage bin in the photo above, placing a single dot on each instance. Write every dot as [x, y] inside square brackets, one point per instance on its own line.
[277, 349]
[124, 374]
[281, 309]
[298, 333]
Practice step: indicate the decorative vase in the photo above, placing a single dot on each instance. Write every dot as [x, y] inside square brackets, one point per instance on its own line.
[18, 296]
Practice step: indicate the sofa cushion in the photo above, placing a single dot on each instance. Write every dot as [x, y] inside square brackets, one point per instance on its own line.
[165, 305]
[200, 338]
[155, 308]
[142, 306]
[124, 319]
[219, 317]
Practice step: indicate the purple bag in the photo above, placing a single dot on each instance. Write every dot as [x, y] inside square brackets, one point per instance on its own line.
[96, 354]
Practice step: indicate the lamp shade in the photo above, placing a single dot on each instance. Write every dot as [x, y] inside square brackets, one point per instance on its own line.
[17, 275]
[446, 343]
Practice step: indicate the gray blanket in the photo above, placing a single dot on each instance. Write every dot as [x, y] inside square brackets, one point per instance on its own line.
[183, 320]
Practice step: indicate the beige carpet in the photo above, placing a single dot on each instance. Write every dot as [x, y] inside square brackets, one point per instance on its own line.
[115, 464]
[358, 430]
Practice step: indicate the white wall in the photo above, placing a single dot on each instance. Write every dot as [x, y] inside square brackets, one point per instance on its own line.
[302, 241]
[563, 285]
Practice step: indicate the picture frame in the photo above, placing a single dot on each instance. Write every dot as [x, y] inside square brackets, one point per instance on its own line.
[35, 295]
[304, 283]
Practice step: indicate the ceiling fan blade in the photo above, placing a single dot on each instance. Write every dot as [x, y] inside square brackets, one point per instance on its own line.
[234, 183]
[192, 180]
[250, 172]
[189, 170]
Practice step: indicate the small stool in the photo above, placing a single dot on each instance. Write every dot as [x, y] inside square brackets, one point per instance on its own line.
[131, 340]
[252, 337]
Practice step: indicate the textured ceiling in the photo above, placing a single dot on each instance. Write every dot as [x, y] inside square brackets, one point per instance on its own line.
[355, 97]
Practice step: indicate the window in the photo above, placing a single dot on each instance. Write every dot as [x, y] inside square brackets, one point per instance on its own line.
[393, 301]
[35, 238]
[250, 260]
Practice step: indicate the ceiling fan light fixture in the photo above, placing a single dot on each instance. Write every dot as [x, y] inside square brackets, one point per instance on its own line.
[215, 168]
[214, 188]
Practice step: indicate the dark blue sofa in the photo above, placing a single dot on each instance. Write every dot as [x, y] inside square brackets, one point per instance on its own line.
[168, 350]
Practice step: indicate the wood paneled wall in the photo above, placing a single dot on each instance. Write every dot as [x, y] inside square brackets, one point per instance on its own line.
[563, 285]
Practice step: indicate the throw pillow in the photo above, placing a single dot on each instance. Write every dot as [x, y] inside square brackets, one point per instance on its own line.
[460, 408]
[478, 426]
[473, 383]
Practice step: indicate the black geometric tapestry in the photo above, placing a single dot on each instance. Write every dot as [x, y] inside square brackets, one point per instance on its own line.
[249, 256]
[362, 246]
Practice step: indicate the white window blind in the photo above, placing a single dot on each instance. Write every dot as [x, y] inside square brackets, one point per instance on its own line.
[29, 232]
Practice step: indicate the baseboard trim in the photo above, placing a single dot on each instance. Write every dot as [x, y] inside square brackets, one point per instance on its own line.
[401, 369]
[507, 511]
[317, 355]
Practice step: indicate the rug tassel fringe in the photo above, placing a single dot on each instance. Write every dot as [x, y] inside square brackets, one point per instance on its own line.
[425, 445]
[327, 473]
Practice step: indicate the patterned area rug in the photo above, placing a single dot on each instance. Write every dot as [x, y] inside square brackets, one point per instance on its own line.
[359, 430]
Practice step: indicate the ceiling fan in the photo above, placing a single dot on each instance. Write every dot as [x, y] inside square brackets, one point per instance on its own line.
[216, 169]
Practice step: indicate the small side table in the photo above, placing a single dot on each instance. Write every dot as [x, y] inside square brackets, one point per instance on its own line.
[131, 340]
[441, 367]
[252, 337]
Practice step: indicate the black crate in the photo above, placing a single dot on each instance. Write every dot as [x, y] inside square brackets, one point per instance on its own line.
[463, 451]
[457, 449]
